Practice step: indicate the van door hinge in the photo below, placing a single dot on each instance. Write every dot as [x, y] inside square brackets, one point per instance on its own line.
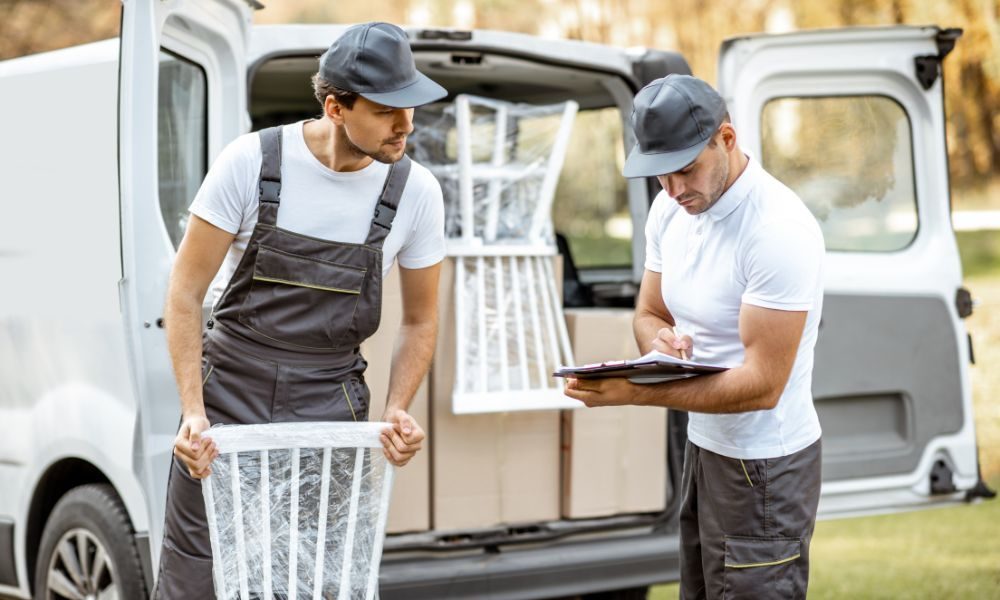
[928, 67]
[942, 481]
[964, 303]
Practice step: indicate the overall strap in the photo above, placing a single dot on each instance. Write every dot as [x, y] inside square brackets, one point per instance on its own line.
[269, 184]
[388, 202]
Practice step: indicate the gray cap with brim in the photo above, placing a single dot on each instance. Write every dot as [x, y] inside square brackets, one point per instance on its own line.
[374, 60]
[673, 119]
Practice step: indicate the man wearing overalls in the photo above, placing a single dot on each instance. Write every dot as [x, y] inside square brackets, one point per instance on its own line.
[305, 221]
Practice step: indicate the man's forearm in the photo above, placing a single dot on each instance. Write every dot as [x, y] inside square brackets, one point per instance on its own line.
[410, 362]
[733, 391]
[645, 327]
[183, 324]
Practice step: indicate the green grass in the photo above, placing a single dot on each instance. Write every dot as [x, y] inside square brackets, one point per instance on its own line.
[949, 552]
[980, 252]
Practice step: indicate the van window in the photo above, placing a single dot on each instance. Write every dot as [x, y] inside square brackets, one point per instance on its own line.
[591, 205]
[182, 112]
[850, 159]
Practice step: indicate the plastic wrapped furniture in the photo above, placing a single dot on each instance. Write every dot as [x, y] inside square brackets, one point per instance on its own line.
[498, 163]
[297, 510]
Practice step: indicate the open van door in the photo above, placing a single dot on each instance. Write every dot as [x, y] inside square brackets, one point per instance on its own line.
[182, 99]
[853, 120]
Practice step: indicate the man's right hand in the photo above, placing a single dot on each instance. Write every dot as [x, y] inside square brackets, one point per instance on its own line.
[668, 343]
[196, 452]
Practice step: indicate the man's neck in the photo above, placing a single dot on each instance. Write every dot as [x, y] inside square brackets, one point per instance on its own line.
[737, 164]
[331, 147]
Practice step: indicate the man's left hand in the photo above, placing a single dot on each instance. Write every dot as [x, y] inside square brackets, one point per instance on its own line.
[610, 391]
[401, 441]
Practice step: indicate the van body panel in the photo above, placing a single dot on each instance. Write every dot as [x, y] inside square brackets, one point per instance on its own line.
[890, 383]
[67, 391]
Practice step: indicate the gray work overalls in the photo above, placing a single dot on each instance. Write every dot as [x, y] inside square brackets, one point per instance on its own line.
[282, 346]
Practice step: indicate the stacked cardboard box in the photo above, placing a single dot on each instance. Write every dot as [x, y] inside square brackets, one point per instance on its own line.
[492, 468]
[614, 459]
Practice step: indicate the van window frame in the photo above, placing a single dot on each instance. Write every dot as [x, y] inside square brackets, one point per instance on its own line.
[206, 105]
[913, 166]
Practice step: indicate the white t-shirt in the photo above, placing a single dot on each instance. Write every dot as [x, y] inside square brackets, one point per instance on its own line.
[758, 245]
[319, 202]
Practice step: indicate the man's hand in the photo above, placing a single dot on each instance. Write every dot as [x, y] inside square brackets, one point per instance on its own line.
[401, 441]
[668, 343]
[609, 391]
[196, 452]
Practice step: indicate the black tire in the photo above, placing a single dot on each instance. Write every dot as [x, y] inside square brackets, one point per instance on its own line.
[89, 521]
[639, 593]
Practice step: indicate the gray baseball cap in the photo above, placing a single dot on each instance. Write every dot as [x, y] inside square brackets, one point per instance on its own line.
[673, 119]
[375, 61]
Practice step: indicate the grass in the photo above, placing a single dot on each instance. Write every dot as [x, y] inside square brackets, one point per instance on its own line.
[942, 553]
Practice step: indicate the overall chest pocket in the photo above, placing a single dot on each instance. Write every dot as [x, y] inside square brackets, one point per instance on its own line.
[303, 301]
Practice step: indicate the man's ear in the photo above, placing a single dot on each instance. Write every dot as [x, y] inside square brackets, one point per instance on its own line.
[728, 135]
[333, 110]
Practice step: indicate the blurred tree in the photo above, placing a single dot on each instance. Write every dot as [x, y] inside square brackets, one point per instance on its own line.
[29, 26]
[693, 27]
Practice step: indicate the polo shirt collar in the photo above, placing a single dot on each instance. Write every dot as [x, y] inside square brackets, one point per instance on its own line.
[732, 197]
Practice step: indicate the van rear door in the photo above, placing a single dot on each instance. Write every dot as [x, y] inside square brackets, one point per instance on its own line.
[853, 120]
[182, 99]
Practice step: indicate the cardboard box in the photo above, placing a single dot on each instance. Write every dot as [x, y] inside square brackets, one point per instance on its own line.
[492, 468]
[410, 507]
[614, 459]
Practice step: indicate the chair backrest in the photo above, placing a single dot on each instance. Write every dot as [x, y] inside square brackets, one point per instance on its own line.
[297, 510]
[510, 330]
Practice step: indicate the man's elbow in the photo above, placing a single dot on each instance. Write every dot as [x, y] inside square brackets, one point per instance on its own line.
[769, 397]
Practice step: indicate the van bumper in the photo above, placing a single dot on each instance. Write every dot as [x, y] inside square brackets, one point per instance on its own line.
[511, 573]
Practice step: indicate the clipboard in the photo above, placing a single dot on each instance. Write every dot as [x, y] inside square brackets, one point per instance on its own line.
[654, 367]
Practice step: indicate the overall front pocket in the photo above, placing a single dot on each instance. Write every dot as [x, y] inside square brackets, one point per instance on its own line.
[303, 301]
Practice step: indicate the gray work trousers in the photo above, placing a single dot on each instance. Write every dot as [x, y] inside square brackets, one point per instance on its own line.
[746, 524]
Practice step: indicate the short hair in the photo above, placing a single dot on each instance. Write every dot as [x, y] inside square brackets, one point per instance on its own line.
[711, 141]
[323, 88]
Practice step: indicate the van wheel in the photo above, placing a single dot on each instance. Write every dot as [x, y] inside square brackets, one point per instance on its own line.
[639, 593]
[88, 549]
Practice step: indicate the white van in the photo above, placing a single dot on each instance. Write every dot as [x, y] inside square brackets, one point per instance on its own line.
[105, 144]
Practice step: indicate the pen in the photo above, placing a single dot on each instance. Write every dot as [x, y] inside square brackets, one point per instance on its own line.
[677, 335]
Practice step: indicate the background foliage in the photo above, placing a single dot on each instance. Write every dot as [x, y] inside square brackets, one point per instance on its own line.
[693, 27]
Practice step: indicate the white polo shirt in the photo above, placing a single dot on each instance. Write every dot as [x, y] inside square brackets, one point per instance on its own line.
[758, 245]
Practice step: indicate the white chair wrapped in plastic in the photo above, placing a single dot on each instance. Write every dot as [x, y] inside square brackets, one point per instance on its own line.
[510, 329]
[297, 510]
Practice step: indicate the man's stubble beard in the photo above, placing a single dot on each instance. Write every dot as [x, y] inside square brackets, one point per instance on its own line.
[359, 152]
[719, 177]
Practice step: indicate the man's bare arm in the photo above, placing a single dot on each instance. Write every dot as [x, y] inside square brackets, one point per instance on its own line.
[411, 359]
[198, 260]
[653, 325]
[771, 341]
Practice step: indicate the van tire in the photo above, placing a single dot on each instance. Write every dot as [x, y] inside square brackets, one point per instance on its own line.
[98, 517]
[639, 593]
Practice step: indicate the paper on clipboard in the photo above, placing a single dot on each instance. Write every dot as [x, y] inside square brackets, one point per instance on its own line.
[654, 367]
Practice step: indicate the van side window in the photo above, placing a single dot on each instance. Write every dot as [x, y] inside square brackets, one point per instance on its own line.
[183, 138]
[591, 205]
[850, 159]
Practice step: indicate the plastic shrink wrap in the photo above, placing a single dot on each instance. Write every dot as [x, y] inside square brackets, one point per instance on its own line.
[297, 510]
[498, 163]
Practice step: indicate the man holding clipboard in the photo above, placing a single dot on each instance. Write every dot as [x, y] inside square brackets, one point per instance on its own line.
[733, 260]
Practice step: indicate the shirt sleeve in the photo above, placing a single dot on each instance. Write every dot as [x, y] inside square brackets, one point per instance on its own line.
[228, 189]
[654, 231]
[425, 245]
[783, 262]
